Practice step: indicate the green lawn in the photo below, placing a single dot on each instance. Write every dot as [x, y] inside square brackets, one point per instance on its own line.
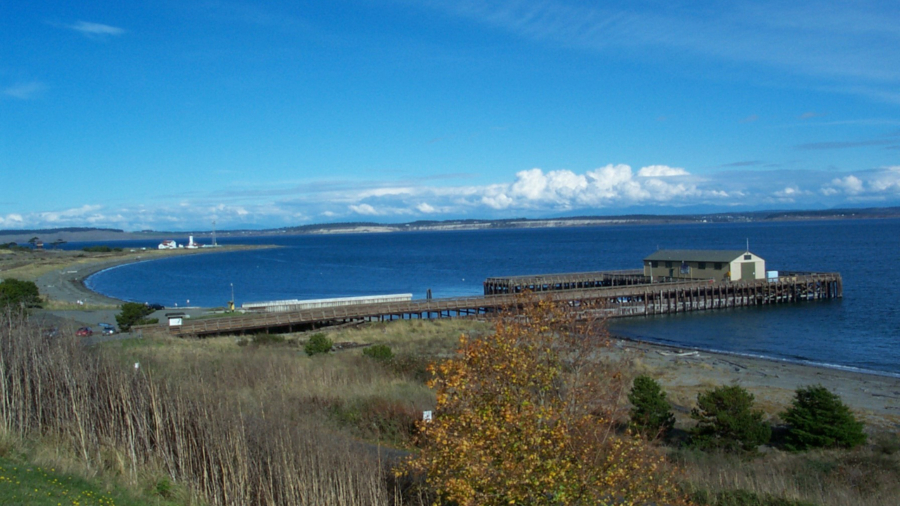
[23, 484]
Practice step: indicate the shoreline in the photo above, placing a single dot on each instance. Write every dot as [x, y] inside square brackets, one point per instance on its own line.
[66, 283]
[751, 356]
[873, 397]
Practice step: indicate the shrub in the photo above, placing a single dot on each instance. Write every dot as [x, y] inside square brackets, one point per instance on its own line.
[651, 413]
[266, 338]
[19, 293]
[380, 352]
[377, 419]
[818, 418]
[97, 249]
[317, 344]
[132, 313]
[726, 420]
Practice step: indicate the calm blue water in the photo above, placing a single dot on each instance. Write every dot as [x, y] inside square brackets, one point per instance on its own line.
[860, 331]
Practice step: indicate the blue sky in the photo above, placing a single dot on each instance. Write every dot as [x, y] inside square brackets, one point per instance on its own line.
[171, 114]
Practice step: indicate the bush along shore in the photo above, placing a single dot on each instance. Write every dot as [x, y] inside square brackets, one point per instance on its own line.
[260, 419]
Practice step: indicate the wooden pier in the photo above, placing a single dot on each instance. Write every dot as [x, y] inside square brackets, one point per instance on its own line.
[611, 301]
[573, 281]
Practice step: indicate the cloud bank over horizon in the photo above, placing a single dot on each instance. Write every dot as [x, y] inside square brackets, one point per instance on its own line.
[532, 193]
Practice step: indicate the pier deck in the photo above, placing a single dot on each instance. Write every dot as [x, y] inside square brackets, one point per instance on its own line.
[607, 301]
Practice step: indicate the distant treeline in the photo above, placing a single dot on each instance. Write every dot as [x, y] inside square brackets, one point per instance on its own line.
[100, 249]
[46, 231]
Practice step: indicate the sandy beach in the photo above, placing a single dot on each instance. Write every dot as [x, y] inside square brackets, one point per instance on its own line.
[65, 282]
[683, 374]
[60, 276]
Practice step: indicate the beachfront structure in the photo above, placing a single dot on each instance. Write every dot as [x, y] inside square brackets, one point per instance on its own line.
[168, 244]
[720, 265]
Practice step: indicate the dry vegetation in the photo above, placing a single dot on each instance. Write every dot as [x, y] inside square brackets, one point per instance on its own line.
[867, 476]
[227, 421]
[228, 424]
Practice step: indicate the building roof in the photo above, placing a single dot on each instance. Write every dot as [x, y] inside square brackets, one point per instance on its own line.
[695, 255]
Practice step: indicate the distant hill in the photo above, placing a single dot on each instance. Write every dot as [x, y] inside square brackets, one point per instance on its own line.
[87, 234]
[46, 231]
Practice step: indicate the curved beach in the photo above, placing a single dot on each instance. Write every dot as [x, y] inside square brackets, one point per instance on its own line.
[67, 283]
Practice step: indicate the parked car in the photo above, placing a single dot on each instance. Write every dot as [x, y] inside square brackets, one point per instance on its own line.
[156, 307]
[84, 332]
[106, 329]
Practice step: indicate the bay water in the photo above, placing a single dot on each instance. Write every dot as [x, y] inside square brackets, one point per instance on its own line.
[860, 331]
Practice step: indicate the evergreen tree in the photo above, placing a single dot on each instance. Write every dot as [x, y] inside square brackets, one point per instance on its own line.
[819, 419]
[726, 420]
[132, 313]
[651, 413]
[19, 294]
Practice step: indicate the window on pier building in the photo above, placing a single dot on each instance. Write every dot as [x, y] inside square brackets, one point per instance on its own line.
[748, 257]
[718, 266]
[668, 265]
[701, 265]
[654, 264]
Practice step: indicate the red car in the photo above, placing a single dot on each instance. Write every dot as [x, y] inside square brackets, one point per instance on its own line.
[84, 332]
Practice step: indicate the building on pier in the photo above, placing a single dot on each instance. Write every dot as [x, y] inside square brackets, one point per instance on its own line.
[720, 265]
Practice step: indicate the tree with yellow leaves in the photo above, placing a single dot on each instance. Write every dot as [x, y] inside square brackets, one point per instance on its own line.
[529, 415]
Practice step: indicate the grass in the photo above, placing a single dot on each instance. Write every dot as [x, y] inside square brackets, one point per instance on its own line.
[827, 478]
[46, 262]
[23, 483]
[59, 305]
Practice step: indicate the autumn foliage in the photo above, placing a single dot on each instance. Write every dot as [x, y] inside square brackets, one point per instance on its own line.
[531, 415]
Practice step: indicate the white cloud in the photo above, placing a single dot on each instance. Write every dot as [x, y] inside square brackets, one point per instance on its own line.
[611, 185]
[866, 185]
[24, 91]
[661, 171]
[96, 29]
[850, 184]
[425, 208]
[497, 201]
[790, 194]
[384, 192]
[887, 180]
[86, 213]
[364, 209]
[12, 221]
